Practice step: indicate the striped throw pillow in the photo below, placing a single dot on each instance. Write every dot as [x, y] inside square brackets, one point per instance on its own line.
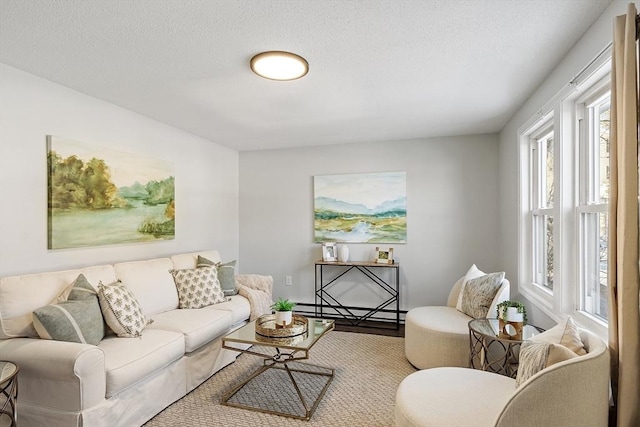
[76, 320]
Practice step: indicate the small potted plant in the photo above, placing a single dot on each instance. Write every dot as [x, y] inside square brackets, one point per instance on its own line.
[512, 311]
[284, 314]
[512, 316]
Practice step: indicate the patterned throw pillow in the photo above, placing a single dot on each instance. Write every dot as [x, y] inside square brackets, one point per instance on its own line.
[197, 287]
[478, 294]
[76, 320]
[226, 274]
[472, 273]
[121, 310]
[535, 356]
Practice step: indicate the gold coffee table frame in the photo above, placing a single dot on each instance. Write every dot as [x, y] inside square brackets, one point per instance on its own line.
[288, 350]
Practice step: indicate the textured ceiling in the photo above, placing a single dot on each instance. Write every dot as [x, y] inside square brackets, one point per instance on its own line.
[379, 70]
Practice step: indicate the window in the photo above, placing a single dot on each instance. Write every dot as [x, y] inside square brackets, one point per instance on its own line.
[591, 212]
[564, 195]
[542, 193]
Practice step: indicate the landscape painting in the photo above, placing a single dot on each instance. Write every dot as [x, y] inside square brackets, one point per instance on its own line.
[361, 208]
[98, 196]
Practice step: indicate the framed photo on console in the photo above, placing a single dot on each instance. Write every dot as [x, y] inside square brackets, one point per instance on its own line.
[384, 257]
[329, 252]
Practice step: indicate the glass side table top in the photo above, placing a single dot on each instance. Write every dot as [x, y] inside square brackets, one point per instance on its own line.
[8, 370]
[247, 335]
[8, 393]
[491, 329]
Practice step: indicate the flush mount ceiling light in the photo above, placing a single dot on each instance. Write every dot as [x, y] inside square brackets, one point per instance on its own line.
[278, 65]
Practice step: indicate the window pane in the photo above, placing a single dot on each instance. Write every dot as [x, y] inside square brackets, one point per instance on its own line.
[549, 252]
[546, 146]
[543, 251]
[603, 127]
[595, 290]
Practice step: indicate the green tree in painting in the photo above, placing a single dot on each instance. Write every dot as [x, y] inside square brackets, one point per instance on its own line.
[160, 192]
[159, 227]
[76, 185]
[101, 192]
[65, 182]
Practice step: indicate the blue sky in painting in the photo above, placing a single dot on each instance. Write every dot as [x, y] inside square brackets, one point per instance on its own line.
[126, 168]
[368, 189]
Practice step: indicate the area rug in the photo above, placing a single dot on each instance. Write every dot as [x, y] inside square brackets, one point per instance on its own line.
[368, 370]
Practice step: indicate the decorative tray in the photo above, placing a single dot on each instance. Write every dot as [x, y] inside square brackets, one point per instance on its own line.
[282, 341]
[266, 327]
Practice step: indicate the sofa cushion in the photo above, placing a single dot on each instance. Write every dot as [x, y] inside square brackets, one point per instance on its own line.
[441, 319]
[151, 282]
[128, 361]
[77, 320]
[478, 294]
[20, 295]
[226, 274]
[121, 310]
[565, 333]
[237, 305]
[182, 261]
[197, 287]
[431, 397]
[199, 326]
[536, 356]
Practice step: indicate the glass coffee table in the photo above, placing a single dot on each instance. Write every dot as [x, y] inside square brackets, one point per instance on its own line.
[282, 385]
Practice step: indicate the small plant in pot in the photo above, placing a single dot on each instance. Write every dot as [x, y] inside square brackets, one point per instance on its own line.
[284, 314]
[512, 311]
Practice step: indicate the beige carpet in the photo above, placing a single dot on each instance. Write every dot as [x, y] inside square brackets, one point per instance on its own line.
[368, 369]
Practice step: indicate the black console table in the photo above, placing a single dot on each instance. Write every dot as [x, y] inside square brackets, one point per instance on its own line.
[324, 298]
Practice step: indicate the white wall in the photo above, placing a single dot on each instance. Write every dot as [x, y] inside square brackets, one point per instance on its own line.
[452, 212]
[582, 53]
[31, 108]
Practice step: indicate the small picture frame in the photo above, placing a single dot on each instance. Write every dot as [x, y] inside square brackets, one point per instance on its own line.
[384, 257]
[329, 252]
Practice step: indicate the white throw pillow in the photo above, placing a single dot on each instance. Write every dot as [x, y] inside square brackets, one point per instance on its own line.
[121, 310]
[565, 333]
[473, 273]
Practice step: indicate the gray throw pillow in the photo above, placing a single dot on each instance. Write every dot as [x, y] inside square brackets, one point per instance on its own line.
[226, 274]
[78, 319]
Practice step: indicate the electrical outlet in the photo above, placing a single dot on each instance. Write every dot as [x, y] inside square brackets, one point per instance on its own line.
[287, 280]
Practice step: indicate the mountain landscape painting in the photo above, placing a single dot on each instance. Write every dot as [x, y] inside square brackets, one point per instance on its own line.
[99, 196]
[361, 208]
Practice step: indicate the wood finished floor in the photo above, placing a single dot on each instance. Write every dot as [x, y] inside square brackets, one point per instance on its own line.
[376, 328]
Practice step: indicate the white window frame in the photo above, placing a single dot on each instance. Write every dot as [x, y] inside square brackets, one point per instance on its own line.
[586, 203]
[529, 171]
[562, 112]
[539, 209]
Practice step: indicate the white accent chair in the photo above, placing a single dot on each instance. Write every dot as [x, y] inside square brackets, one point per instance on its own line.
[574, 392]
[438, 336]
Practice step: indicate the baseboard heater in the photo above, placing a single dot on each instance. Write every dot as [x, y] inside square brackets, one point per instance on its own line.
[375, 321]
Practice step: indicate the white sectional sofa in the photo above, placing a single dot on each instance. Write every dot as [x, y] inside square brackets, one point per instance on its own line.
[120, 381]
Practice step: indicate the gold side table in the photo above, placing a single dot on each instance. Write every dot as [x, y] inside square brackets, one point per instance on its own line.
[8, 392]
[493, 351]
